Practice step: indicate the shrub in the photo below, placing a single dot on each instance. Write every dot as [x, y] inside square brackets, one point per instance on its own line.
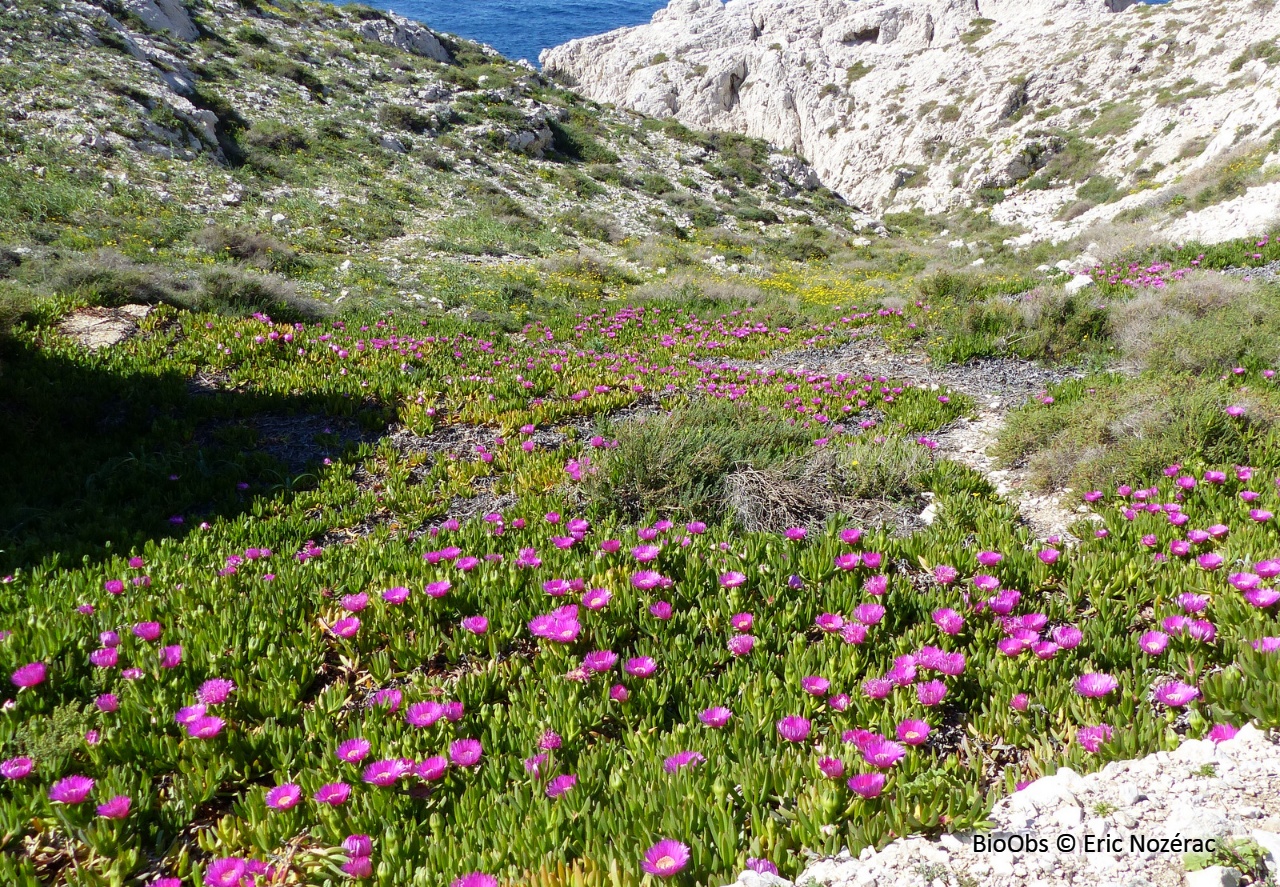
[404, 118]
[253, 247]
[279, 138]
[238, 291]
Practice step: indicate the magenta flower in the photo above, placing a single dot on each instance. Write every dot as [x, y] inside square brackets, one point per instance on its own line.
[682, 759]
[1244, 581]
[147, 631]
[71, 790]
[1267, 644]
[742, 622]
[1095, 685]
[353, 751]
[1068, 637]
[106, 657]
[347, 627]
[877, 688]
[716, 716]
[853, 633]
[477, 625]
[741, 644]
[646, 580]
[215, 691]
[475, 879]
[815, 686]
[796, 534]
[355, 603]
[867, 785]
[1202, 630]
[358, 867]
[619, 693]
[666, 858]
[1153, 643]
[1262, 597]
[732, 579]
[868, 614]
[171, 657]
[761, 866]
[794, 728]
[284, 797]
[334, 794]
[1093, 738]
[224, 873]
[944, 574]
[646, 553]
[931, 693]
[561, 784]
[660, 610]
[1175, 694]
[984, 582]
[832, 768]
[423, 714]
[1268, 569]
[387, 772]
[989, 558]
[948, 621]
[848, 561]
[1019, 702]
[184, 716]
[17, 768]
[1235, 411]
[876, 585]
[1222, 733]
[113, 586]
[640, 667]
[396, 596]
[465, 752]
[872, 560]
[116, 807]
[1049, 556]
[438, 589]
[206, 727]
[433, 768]
[1209, 560]
[829, 622]
[913, 732]
[596, 598]
[30, 675]
[883, 753]
[599, 661]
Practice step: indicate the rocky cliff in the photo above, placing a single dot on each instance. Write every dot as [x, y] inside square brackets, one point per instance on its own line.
[1056, 113]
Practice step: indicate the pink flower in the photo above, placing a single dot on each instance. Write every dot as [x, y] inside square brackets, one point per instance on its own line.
[742, 622]
[1049, 556]
[1095, 685]
[814, 685]
[666, 858]
[1019, 702]
[116, 807]
[867, 785]
[597, 598]
[1153, 643]
[876, 585]
[931, 693]
[465, 752]
[1093, 738]
[913, 732]
[883, 753]
[71, 790]
[477, 625]
[640, 667]
[434, 768]
[334, 794]
[741, 645]
[353, 751]
[387, 772]
[715, 717]
[948, 621]
[600, 661]
[681, 760]
[561, 784]
[30, 675]
[396, 596]
[1175, 694]
[1209, 560]
[732, 579]
[989, 558]
[944, 574]
[17, 768]
[284, 797]
[832, 768]
[1222, 733]
[346, 627]
[794, 728]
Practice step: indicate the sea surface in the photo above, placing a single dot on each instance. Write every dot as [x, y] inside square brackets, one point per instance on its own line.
[520, 29]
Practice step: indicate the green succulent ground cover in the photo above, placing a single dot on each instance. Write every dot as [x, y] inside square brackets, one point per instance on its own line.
[476, 384]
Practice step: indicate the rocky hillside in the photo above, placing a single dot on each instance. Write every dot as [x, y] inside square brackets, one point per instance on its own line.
[357, 154]
[1056, 113]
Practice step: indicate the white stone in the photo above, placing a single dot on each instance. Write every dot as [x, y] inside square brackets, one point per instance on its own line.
[1079, 282]
[1214, 876]
[167, 16]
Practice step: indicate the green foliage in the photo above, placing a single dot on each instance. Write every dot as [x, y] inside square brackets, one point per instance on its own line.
[1266, 50]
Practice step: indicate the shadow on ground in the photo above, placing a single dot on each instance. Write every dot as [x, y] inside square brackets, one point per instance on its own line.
[90, 458]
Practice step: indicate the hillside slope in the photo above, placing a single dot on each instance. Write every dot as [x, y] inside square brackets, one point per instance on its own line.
[1058, 112]
[359, 153]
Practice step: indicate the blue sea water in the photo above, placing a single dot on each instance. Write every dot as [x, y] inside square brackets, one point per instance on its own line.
[520, 29]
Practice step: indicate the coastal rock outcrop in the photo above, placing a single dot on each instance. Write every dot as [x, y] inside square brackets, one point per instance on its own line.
[1054, 113]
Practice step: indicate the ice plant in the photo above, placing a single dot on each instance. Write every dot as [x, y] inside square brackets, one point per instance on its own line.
[715, 717]
[867, 785]
[284, 797]
[1095, 685]
[71, 790]
[666, 858]
[1175, 694]
[913, 732]
[794, 728]
[561, 784]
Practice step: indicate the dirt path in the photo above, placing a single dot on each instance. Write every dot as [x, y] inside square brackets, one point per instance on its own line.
[996, 384]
